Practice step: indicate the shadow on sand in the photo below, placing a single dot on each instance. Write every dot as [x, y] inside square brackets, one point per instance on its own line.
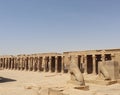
[2, 80]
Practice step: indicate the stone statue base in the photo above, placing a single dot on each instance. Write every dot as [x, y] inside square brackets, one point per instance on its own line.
[76, 85]
[101, 82]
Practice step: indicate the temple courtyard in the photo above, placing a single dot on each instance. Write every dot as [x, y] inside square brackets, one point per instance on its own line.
[16, 82]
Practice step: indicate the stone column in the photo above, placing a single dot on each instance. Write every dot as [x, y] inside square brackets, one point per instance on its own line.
[29, 67]
[94, 64]
[62, 63]
[76, 59]
[21, 63]
[50, 61]
[44, 64]
[14, 63]
[24, 63]
[0, 63]
[85, 64]
[56, 64]
[33, 63]
[11, 63]
[81, 62]
[38, 63]
[6, 62]
[103, 58]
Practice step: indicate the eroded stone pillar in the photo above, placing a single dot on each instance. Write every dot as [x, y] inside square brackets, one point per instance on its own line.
[56, 64]
[50, 61]
[4, 62]
[103, 58]
[35, 62]
[11, 65]
[21, 63]
[8, 63]
[31, 63]
[94, 64]
[0, 63]
[62, 64]
[85, 64]
[38, 63]
[44, 63]
[26, 63]
[82, 63]
[14, 63]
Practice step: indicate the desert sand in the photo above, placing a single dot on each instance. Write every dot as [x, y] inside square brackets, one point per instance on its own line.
[30, 83]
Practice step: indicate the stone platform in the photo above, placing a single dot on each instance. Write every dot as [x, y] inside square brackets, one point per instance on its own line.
[101, 82]
[75, 85]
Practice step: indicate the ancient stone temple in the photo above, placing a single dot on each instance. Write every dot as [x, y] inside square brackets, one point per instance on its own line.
[87, 61]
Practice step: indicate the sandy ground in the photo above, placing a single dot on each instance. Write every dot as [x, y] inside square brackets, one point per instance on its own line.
[15, 83]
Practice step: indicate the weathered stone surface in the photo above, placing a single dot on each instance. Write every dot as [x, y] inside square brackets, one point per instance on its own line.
[76, 75]
[113, 69]
[55, 91]
[104, 71]
[109, 70]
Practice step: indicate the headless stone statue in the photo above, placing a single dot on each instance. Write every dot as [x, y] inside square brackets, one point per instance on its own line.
[76, 75]
[104, 71]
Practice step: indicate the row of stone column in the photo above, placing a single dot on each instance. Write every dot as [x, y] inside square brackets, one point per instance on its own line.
[84, 59]
[33, 63]
[46, 63]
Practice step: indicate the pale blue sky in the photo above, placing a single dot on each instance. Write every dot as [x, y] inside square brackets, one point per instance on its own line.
[34, 26]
